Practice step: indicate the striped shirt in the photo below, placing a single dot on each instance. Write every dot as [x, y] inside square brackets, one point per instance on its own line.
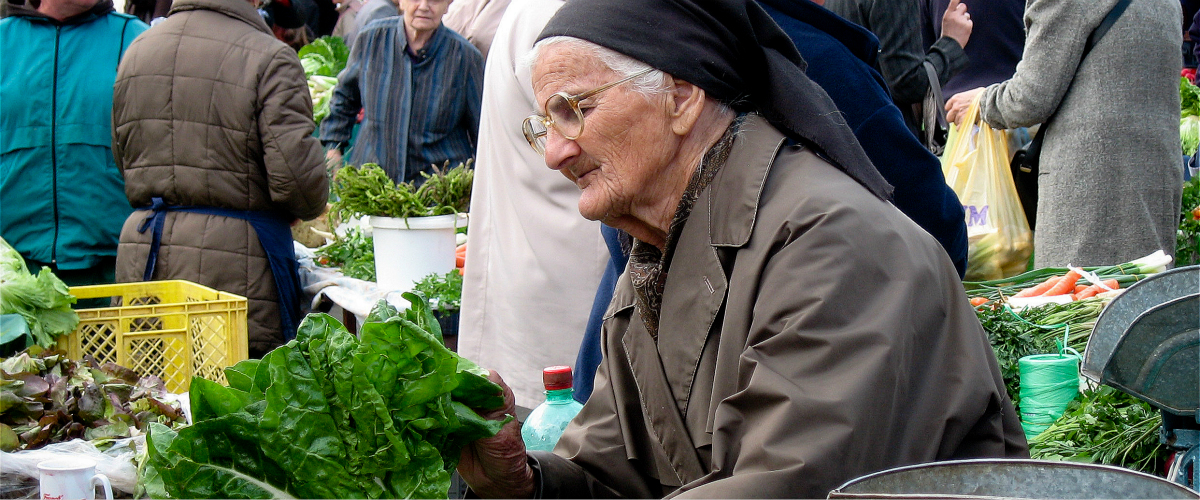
[419, 110]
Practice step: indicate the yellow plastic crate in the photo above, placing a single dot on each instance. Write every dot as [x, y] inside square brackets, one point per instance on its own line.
[173, 329]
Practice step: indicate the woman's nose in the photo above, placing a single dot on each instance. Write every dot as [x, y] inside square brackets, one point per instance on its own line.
[559, 150]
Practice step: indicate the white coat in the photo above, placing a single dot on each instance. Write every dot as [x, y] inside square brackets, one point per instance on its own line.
[533, 263]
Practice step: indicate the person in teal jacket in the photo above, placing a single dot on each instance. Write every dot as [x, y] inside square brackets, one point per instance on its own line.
[62, 199]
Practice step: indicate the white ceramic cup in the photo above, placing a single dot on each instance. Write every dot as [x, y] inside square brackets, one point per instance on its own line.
[72, 478]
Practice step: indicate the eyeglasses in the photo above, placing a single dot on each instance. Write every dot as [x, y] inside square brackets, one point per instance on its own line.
[563, 113]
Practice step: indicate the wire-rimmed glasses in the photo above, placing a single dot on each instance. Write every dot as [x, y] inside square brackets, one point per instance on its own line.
[563, 113]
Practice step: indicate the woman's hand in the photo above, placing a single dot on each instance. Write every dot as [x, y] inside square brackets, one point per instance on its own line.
[496, 467]
[956, 23]
[957, 104]
[333, 160]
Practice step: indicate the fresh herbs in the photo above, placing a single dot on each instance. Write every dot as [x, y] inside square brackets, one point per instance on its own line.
[46, 398]
[330, 415]
[1104, 426]
[353, 253]
[44, 301]
[367, 190]
[443, 290]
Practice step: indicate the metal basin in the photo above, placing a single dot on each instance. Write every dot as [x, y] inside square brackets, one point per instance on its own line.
[1010, 479]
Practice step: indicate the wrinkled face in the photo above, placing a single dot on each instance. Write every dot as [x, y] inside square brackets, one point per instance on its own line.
[423, 15]
[626, 140]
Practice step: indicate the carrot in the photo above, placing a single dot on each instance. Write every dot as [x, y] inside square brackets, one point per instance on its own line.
[978, 301]
[1091, 291]
[1064, 286]
[1079, 288]
[460, 256]
[1036, 290]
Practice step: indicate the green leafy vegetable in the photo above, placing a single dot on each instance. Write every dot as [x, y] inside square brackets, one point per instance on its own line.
[1104, 426]
[46, 398]
[1189, 98]
[367, 190]
[323, 60]
[1189, 134]
[444, 290]
[1187, 243]
[325, 56]
[331, 415]
[44, 301]
[353, 253]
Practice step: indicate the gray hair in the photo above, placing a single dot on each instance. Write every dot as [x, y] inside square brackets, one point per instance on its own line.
[648, 85]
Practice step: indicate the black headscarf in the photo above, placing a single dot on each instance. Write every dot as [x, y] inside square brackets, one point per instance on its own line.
[735, 52]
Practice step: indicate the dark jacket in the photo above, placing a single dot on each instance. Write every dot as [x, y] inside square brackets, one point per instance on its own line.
[997, 39]
[211, 110]
[808, 337]
[839, 55]
[898, 25]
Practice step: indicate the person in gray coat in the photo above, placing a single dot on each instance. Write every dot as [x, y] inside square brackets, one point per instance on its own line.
[1110, 183]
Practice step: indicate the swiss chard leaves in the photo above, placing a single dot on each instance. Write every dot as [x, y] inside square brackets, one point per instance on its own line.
[331, 415]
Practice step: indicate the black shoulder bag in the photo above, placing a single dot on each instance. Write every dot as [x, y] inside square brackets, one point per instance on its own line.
[1025, 160]
[934, 128]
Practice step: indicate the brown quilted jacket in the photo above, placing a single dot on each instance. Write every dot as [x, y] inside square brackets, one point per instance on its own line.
[211, 110]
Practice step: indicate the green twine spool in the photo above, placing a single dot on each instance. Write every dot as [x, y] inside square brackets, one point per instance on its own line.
[1048, 384]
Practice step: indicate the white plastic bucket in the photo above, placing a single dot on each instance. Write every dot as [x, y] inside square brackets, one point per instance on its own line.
[407, 250]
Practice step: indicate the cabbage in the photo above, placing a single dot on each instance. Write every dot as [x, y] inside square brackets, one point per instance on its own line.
[44, 301]
[1189, 134]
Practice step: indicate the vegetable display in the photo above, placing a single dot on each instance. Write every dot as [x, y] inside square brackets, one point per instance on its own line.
[322, 60]
[44, 301]
[1187, 243]
[47, 398]
[331, 415]
[1102, 425]
[354, 253]
[367, 190]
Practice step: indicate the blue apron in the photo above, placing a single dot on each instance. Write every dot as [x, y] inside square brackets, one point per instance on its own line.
[275, 234]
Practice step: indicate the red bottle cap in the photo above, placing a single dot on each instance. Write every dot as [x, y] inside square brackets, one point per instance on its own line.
[556, 378]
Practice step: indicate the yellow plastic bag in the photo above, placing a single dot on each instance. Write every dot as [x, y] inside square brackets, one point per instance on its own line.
[976, 167]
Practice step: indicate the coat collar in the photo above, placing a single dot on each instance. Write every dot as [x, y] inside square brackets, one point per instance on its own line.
[665, 368]
[237, 9]
[732, 200]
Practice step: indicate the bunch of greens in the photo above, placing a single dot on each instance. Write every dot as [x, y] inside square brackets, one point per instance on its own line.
[1104, 426]
[444, 290]
[1187, 244]
[1189, 116]
[331, 415]
[322, 60]
[367, 190]
[353, 253]
[44, 301]
[46, 398]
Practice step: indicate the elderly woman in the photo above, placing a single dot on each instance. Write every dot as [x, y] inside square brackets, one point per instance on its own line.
[781, 327]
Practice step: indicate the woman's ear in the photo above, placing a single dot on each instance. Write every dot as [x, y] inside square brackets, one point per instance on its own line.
[687, 103]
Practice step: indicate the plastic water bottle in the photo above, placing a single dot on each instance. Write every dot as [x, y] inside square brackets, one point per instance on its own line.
[548, 421]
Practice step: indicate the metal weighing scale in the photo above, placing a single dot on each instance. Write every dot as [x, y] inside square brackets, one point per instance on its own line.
[1147, 344]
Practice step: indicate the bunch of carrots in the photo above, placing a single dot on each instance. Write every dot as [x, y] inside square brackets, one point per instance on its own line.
[1067, 284]
[1057, 281]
